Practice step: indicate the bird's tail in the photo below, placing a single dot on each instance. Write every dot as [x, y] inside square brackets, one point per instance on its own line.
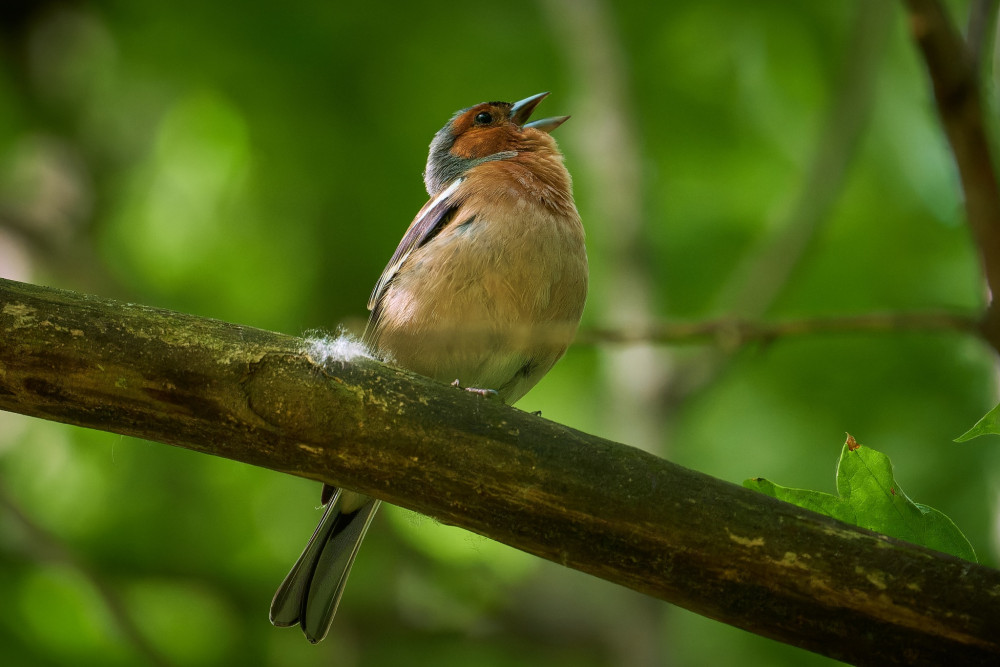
[310, 593]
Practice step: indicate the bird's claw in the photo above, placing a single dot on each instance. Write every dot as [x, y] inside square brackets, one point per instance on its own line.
[485, 393]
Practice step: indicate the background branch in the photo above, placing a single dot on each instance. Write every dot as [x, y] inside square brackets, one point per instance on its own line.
[613, 511]
[730, 333]
[952, 68]
[980, 32]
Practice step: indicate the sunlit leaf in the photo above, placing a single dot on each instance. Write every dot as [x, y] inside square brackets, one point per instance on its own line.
[870, 497]
[990, 423]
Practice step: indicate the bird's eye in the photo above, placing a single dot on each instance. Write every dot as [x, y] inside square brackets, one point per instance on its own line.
[484, 118]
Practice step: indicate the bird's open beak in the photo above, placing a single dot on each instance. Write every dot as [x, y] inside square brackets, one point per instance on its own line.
[521, 112]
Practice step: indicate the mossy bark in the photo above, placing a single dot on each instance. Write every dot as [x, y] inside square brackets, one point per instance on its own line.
[608, 509]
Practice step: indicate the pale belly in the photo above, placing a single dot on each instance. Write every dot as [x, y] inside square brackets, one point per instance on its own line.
[493, 311]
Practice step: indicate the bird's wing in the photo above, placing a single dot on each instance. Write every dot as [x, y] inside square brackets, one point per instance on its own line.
[429, 221]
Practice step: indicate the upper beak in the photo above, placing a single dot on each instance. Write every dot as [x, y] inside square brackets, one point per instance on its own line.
[521, 112]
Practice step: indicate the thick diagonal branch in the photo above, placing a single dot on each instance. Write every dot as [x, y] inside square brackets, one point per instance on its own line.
[594, 505]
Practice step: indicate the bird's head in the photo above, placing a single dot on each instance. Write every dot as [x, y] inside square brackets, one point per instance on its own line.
[486, 132]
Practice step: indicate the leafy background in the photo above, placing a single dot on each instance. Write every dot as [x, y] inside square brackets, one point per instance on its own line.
[257, 162]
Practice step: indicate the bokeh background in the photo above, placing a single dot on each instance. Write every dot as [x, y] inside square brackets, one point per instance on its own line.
[257, 163]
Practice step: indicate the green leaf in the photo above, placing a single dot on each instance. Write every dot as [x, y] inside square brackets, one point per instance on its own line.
[990, 423]
[824, 503]
[870, 497]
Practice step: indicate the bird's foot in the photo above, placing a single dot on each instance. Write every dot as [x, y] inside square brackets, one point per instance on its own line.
[485, 393]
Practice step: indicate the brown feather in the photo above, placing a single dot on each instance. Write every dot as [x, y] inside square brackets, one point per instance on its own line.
[501, 288]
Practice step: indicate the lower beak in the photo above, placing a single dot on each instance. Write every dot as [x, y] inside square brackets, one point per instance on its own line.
[521, 112]
[548, 124]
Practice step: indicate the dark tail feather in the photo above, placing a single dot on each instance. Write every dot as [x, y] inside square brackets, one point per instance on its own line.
[310, 593]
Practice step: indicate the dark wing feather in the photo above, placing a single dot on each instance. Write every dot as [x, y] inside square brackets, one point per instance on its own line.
[429, 221]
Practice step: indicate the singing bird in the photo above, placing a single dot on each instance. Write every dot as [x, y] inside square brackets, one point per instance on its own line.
[486, 289]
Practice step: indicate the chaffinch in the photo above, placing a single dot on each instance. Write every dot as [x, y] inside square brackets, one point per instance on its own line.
[486, 288]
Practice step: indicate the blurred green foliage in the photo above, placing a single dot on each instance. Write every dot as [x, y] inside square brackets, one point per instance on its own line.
[257, 163]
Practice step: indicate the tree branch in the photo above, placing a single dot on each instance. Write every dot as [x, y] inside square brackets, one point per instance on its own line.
[958, 95]
[979, 33]
[604, 508]
[730, 333]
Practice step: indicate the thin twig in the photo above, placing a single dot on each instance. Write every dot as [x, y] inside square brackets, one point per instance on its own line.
[730, 333]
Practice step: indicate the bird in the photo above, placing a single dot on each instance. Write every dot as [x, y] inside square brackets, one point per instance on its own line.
[485, 291]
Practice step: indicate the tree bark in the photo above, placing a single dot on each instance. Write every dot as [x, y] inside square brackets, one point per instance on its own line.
[608, 509]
